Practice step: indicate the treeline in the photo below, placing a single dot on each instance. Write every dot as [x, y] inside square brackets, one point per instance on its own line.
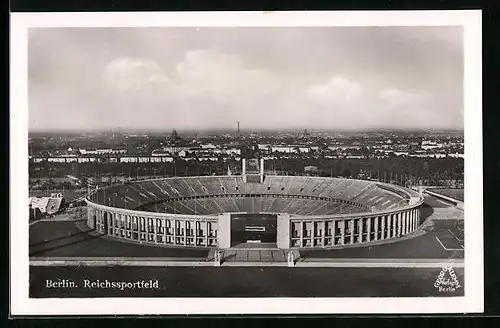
[176, 168]
[49, 184]
[448, 167]
[434, 169]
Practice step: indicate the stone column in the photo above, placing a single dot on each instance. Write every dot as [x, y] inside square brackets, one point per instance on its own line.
[403, 223]
[114, 222]
[290, 260]
[138, 228]
[98, 221]
[131, 222]
[175, 231]
[185, 231]
[400, 224]
[283, 231]
[196, 233]
[368, 229]
[107, 217]
[403, 226]
[360, 230]
[108, 221]
[164, 223]
[138, 221]
[351, 224]
[412, 224]
[341, 225]
[383, 219]
[123, 219]
[396, 228]
[156, 229]
[207, 227]
[393, 219]
[408, 222]
[323, 233]
[123, 226]
[301, 233]
[224, 231]
[413, 220]
[89, 218]
[377, 219]
[118, 219]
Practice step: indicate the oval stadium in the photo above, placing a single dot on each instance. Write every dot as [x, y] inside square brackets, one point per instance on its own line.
[285, 212]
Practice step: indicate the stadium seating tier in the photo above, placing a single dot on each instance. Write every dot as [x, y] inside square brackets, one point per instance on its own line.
[278, 194]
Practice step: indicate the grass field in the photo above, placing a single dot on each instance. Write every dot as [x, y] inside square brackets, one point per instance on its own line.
[453, 193]
[65, 239]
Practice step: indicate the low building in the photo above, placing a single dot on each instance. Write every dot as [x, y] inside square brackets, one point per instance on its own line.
[46, 205]
[35, 213]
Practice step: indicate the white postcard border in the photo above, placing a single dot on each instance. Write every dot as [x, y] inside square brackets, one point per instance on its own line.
[21, 304]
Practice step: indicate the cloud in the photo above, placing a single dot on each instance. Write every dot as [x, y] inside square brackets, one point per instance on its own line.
[345, 102]
[394, 97]
[205, 87]
[337, 89]
[202, 74]
[263, 77]
[225, 77]
[128, 74]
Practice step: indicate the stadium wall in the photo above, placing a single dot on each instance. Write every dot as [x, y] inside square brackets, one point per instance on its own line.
[154, 228]
[215, 231]
[330, 232]
[293, 231]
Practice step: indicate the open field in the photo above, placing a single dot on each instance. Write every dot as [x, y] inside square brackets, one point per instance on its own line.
[453, 193]
[64, 239]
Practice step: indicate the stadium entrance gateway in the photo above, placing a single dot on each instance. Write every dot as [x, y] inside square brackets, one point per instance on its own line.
[253, 228]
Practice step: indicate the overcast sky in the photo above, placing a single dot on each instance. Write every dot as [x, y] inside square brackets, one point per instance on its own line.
[266, 78]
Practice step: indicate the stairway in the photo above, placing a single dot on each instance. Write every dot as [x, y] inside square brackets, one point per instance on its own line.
[253, 255]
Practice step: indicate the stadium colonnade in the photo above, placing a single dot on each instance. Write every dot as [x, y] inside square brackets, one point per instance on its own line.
[301, 212]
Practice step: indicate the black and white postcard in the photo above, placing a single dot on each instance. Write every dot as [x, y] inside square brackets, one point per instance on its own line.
[246, 162]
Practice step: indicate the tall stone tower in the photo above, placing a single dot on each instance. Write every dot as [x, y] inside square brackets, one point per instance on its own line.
[252, 170]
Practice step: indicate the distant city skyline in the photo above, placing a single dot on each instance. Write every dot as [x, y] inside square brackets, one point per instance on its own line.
[282, 78]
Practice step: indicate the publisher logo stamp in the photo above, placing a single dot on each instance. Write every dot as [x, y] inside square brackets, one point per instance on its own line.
[447, 280]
